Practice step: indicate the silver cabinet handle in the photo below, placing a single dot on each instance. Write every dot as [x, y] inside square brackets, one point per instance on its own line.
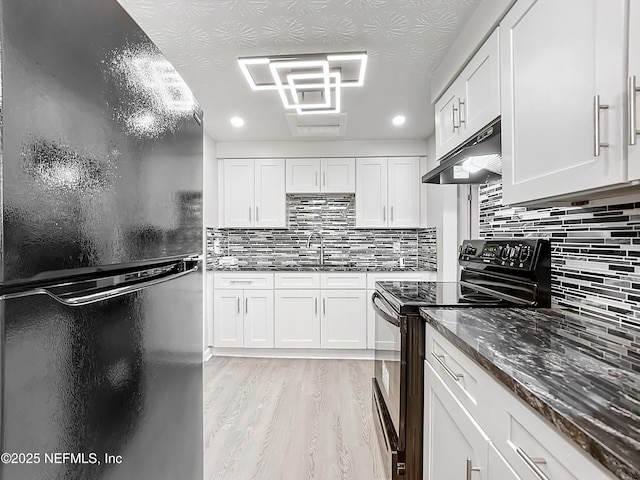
[246, 305]
[471, 468]
[392, 213]
[257, 218]
[324, 179]
[316, 306]
[384, 213]
[238, 302]
[249, 213]
[460, 119]
[453, 119]
[324, 307]
[596, 125]
[440, 360]
[631, 98]
[315, 182]
[532, 463]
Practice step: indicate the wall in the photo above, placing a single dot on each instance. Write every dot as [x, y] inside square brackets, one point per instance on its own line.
[334, 217]
[595, 252]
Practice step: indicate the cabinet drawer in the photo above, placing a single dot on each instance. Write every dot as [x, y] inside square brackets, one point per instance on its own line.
[529, 443]
[244, 280]
[372, 278]
[343, 280]
[297, 280]
[460, 374]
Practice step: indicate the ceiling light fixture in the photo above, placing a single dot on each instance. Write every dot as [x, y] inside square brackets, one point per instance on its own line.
[306, 83]
[237, 122]
[398, 120]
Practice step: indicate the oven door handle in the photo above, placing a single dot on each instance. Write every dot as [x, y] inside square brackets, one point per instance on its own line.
[380, 309]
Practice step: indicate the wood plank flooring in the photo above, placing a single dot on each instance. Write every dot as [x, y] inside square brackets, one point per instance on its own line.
[289, 419]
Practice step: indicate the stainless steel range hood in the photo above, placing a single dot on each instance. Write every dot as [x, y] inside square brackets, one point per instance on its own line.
[477, 161]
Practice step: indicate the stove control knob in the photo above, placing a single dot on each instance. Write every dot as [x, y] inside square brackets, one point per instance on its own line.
[515, 251]
[506, 251]
[525, 253]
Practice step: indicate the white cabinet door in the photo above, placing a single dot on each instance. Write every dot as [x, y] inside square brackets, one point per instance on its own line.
[555, 58]
[498, 468]
[238, 193]
[338, 175]
[481, 88]
[371, 193]
[447, 117]
[344, 319]
[258, 318]
[270, 197]
[453, 443]
[634, 71]
[404, 192]
[303, 175]
[227, 318]
[297, 319]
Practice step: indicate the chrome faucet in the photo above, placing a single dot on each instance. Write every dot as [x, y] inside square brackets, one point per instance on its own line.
[321, 244]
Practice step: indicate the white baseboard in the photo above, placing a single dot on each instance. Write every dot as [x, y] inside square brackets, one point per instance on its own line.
[313, 353]
[208, 353]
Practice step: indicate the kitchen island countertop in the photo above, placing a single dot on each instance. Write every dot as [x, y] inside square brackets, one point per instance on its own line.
[581, 374]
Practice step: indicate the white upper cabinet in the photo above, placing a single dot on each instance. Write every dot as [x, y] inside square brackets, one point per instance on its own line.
[371, 193]
[338, 175]
[403, 176]
[388, 192]
[472, 101]
[303, 175]
[562, 96]
[633, 95]
[238, 193]
[271, 202]
[253, 193]
[326, 175]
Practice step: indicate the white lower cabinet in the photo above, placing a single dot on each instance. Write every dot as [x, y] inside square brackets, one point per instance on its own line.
[243, 318]
[258, 318]
[344, 319]
[454, 445]
[504, 438]
[297, 318]
[228, 330]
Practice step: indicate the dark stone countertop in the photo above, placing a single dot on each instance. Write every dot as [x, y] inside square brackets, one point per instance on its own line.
[582, 375]
[310, 268]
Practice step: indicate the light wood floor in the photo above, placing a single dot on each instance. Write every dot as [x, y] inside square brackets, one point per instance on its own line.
[289, 419]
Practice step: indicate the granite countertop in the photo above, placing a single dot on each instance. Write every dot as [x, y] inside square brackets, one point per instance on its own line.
[310, 268]
[583, 375]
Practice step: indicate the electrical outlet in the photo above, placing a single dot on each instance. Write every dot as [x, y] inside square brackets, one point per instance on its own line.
[216, 247]
[396, 247]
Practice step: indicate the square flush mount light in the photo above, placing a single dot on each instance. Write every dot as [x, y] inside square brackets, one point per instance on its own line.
[307, 83]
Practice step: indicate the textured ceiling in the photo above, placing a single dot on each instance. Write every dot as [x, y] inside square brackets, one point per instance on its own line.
[405, 40]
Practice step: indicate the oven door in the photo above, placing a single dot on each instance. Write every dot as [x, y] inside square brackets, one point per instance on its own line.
[389, 384]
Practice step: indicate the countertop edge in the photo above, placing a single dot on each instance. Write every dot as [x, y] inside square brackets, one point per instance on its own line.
[602, 454]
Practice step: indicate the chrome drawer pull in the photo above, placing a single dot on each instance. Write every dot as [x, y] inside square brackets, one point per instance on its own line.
[471, 468]
[440, 360]
[532, 463]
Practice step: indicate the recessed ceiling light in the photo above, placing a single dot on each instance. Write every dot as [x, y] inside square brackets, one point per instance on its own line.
[237, 122]
[398, 120]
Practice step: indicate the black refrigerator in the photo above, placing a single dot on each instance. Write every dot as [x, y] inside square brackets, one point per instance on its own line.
[101, 243]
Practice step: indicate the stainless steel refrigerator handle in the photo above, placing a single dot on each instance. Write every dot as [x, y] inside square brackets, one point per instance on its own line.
[596, 125]
[82, 300]
[632, 91]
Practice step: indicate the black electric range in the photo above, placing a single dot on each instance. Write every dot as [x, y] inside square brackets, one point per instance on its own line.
[495, 273]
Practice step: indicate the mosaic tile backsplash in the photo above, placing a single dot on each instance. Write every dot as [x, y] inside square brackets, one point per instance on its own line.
[595, 252]
[344, 245]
